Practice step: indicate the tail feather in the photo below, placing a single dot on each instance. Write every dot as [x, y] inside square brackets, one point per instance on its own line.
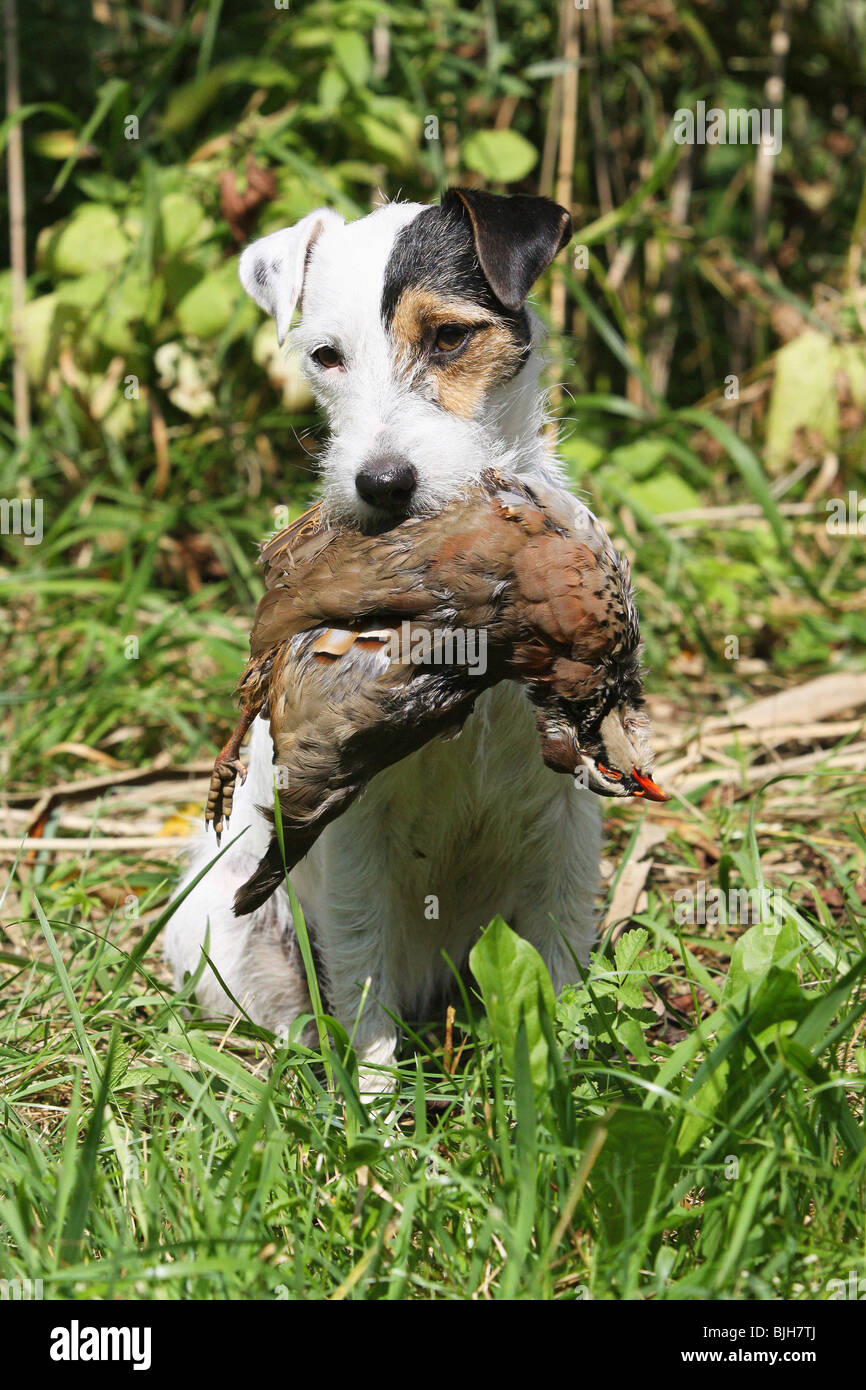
[261, 884]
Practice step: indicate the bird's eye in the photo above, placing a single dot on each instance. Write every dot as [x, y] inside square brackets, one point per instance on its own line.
[451, 336]
[327, 357]
[607, 772]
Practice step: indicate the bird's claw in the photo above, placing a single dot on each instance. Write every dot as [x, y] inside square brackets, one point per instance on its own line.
[221, 793]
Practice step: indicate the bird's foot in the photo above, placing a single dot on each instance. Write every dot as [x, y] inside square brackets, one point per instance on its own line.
[220, 797]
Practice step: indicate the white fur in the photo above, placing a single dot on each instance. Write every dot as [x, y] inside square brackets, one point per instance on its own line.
[477, 823]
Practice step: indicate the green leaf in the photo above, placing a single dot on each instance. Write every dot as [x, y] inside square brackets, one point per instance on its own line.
[515, 985]
[48, 108]
[582, 454]
[667, 492]
[182, 220]
[500, 156]
[353, 56]
[189, 103]
[332, 90]
[623, 1177]
[55, 144]
[391, 144]
[38, 328]
[208, 308]
[92, 239]
[86, 291]
[631, 1034]
[629, 947]
[759, 948]
[777, 1006]
[804, 395]
[641, 457]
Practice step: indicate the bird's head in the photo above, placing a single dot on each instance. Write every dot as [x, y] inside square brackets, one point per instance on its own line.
[589, 701]
[615, 755]
[603, 739]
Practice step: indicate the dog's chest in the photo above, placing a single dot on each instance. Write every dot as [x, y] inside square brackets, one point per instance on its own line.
[442, 835]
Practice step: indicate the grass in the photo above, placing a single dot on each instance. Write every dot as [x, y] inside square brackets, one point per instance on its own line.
[146, 1154]
[685, 1125]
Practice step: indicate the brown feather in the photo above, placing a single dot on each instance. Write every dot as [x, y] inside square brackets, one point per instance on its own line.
[522, 563]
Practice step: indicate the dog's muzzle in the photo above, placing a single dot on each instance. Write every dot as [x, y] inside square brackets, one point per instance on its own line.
[387, 483]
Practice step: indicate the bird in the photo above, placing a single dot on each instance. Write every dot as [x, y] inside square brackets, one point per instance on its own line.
[360, 652]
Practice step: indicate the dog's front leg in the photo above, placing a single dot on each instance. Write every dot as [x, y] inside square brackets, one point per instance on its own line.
[555, 905]
[357, 985]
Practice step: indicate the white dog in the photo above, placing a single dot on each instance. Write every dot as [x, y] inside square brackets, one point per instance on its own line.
[416, 339]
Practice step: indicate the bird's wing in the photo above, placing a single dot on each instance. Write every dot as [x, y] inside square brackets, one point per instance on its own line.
[518, 556]
[341, 710]
[569, 606]
[298, 544]
[426, 567]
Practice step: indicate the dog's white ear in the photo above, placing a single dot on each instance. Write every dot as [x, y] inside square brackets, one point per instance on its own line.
[272, 268]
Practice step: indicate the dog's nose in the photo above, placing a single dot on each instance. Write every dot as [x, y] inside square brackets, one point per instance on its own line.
[387, 482]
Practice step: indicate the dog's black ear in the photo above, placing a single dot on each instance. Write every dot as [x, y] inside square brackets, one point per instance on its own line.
[515, 238]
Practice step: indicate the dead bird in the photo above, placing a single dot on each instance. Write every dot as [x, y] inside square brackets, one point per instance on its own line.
[359, 652]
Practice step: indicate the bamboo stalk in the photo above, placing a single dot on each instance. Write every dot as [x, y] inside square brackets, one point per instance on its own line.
[17, 224]
[567, 146]
[765, 160]
[551, 129]
[762, 188]
[661, 353]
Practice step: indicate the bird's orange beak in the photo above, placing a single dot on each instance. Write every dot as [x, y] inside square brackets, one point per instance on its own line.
[648, 788]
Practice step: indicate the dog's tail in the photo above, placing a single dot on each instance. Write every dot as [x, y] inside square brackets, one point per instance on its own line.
[261, 884]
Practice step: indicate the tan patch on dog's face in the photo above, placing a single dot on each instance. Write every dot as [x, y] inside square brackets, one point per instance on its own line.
[459, 380]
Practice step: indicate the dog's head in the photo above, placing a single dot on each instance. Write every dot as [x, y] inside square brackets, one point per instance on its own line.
[415, 336]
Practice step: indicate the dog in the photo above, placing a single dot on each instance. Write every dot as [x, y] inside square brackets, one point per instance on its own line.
[416, 337]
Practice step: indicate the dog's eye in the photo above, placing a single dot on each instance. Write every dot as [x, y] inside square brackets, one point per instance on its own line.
[451, 336]
[327, 357]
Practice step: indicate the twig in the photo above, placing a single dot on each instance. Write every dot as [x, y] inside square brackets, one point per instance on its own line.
[847, 762]
[82, 845]
[159, 434]
[86, 785]
[738, 511]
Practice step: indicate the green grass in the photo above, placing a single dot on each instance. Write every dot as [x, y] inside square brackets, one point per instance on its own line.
[145, 1153]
